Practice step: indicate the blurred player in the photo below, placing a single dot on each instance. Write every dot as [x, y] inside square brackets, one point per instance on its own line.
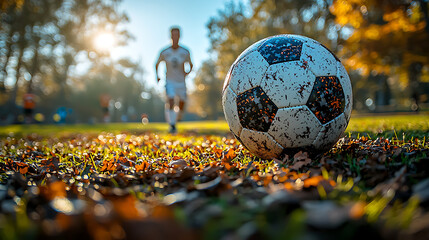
[29, 104]
[104, 103]
[175, 58]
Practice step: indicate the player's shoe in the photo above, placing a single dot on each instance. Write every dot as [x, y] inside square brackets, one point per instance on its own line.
[173, 129]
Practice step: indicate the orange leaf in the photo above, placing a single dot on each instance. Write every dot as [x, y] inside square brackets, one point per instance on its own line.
[313, 181]
[53, 190]
[123, 159]
[23, 170]
[281, 177]
[143, 166]
[227, 166]
[108, 165]
[23, 167]
[217, 152]
[288, 185]
[357, 210]
[162, 212]
[229, 155]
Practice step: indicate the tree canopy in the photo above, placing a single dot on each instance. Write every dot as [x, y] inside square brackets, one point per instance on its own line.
[387, 37]
[47, 48]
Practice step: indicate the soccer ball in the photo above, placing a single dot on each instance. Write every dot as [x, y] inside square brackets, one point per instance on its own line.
[287, 93]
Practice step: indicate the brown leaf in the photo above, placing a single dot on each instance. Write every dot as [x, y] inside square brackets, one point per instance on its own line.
[210, 171]
[185, 174]
[51, 164]
[297, 165]
[300, 156]
[302, 161]
[279, 162]
[179, 164]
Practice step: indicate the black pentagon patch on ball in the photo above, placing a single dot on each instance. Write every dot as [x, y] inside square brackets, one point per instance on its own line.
[281, 49]
[326, 100]
[255, 109]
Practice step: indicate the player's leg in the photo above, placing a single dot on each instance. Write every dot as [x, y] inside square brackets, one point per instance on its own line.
[106, 117]
[181, 92]
[170, 114]
[181, 110]
[27, 115]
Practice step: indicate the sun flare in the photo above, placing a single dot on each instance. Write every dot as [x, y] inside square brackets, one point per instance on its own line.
[105, 41]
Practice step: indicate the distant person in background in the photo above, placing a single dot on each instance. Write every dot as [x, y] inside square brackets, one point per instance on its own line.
[29, 104]
[104, 103]
[175, 58]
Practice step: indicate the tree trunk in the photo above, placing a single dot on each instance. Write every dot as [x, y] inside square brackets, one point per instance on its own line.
[35, 66]
[12, 98]
[62, 97]
[424, 8]
[414, 73]
[9, 52]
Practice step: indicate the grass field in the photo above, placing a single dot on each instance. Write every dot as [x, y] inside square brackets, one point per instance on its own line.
[385, 125]
[134, 181]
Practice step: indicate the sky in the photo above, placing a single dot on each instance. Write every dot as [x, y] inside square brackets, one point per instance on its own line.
[150, 22]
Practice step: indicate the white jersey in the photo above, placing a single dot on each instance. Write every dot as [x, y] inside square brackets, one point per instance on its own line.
[175, 61]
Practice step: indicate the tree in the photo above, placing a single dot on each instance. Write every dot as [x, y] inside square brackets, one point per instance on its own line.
[387, 37]
[43, 40]
[5, 5]
[237, 27]
[18, 30]
[230, 34]
[80, 23]
[208, 94]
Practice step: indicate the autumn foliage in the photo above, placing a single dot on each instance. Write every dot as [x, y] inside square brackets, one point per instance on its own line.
[192, 186]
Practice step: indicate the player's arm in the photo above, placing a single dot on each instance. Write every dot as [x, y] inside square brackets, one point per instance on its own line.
[160, 59]
[188, 60]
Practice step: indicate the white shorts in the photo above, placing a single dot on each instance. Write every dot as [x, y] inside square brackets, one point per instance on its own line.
[173, 89]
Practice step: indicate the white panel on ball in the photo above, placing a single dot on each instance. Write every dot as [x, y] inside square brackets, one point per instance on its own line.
[230, 111]
[248, 72]
[288, 84]
[330, 133]
[295, 127]
[248, 50]
[261, 144]
[319, 59]
[227, 78]
[347, 88]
